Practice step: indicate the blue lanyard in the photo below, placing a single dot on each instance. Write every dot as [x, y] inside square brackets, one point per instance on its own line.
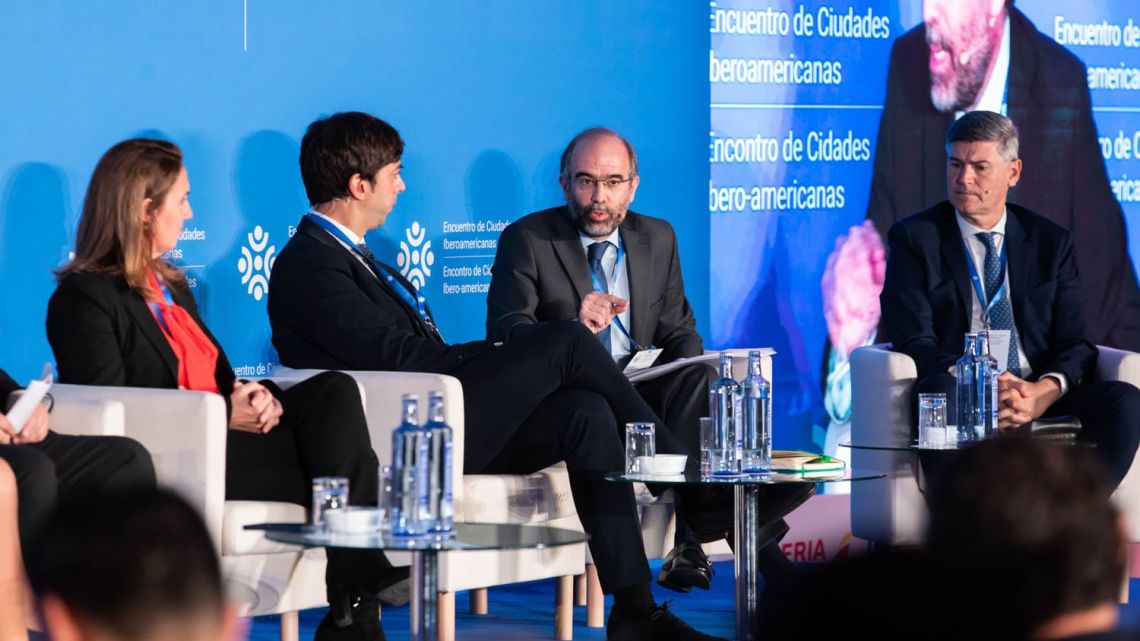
[979, 289]
[414, 299]
[598, 286]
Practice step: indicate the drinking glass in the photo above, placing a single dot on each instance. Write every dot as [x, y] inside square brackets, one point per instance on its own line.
[329, 493]
[932, 421]
[640, 447]
[708, 442]
[384, 497]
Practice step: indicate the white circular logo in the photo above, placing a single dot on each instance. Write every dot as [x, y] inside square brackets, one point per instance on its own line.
[256, 262]
[416, 257]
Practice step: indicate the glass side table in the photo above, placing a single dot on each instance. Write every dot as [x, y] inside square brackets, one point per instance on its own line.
[425, 553]
[747, 489]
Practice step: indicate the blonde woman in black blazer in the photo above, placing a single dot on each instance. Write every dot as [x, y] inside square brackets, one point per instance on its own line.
[104, 326]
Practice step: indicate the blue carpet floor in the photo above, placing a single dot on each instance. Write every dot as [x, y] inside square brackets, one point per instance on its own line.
[525, 611]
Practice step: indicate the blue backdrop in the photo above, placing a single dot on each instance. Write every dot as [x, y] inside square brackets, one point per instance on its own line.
[485, 94]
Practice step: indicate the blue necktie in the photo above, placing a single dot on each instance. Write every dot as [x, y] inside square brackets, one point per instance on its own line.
[1001, 314]
[594, 254]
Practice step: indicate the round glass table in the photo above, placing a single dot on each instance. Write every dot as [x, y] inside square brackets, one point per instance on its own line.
[747, 490]
[913, 445]
[425, 553]
[900, 445]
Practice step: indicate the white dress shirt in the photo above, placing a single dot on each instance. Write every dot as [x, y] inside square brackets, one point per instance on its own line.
[977, 253]
[618, 284]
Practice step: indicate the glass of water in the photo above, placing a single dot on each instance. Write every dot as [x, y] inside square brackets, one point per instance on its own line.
[640, 447]
[932, 421]
[384, 497]
[708, 442]
[329, 493]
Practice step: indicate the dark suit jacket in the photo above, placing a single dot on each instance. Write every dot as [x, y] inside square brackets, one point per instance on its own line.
[329, 311]
[1064, 178]
[103, 333]
[541, 274]
[7, 386]
[927, 296]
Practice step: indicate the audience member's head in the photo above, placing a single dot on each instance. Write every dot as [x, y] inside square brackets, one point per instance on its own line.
[342, 147]
[130, 217]
[1030, 523]
[129, 566]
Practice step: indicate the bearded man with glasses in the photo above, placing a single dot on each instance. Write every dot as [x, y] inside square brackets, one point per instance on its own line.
[618, 273]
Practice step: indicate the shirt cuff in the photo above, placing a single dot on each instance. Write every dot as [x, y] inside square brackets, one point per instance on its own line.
[1061, 379]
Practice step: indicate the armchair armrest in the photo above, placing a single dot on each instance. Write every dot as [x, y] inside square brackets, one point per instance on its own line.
[1118, 365]
[185, 433]
[889, 510]
[881, 386]
[1121, 365]
[80, 417]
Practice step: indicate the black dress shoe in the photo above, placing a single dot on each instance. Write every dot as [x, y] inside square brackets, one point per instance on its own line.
[658, 624]
[685, 567]
[360, 623]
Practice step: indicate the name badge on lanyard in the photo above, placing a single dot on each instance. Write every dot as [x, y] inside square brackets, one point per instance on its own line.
[999, 347]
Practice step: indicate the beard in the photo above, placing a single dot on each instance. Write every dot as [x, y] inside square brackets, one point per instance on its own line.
[961, 86]
[580, 215]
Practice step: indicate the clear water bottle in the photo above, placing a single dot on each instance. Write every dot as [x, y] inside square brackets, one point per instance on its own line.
[756, 423]
[967, 392]
[441, 512]
[723, 393]
[987, 373]
[410, 451]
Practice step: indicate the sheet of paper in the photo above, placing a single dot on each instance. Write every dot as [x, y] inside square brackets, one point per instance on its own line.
[22, 410]
[711, 358]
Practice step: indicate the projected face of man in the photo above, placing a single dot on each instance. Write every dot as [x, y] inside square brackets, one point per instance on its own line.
[596, 207]
[963, 36]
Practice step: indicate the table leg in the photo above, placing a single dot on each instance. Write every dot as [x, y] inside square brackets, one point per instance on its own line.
[746, 530]
[425, 582]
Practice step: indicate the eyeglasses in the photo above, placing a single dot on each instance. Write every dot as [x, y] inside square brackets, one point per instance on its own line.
[586, 183]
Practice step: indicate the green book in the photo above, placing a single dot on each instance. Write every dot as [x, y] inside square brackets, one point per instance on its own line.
[798, 461]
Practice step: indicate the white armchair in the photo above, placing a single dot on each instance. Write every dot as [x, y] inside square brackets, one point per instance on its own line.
[185, 433]
[540, 498]
[892, 510]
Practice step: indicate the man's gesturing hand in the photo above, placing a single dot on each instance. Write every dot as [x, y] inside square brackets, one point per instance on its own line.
[598, 310]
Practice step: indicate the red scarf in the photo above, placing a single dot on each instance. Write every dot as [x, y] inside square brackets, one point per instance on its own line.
[196, 353]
